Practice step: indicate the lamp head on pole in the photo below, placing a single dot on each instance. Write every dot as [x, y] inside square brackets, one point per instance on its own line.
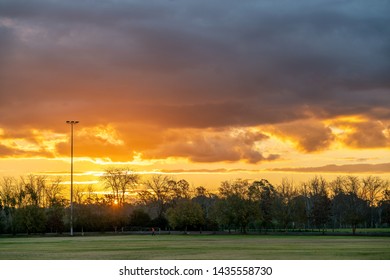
[72, 122]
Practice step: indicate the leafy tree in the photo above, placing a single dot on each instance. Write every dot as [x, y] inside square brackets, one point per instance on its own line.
[224, 213]
[116, 216]
[139, 218]
[32, 219]
[357, 205]
[385, 206]
[264, 195]
[184, 214]
[349, 207]
[55, 214]
[2, 217]
[320, 202]
[285, 203]
[89, 217]
[356, 209]
[299, 211]
[338, 208]
[207, 202]
[160, 222]
[235, 205]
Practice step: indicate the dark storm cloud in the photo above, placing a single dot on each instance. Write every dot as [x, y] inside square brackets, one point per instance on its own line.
[193, 63]
[276, 53]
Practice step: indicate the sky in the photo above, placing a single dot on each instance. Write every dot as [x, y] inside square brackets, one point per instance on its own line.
[202, 90]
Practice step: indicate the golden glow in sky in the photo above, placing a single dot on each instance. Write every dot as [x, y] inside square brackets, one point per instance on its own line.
[197, 90]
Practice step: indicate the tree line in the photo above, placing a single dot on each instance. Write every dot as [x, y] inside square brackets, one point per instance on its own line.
[34, 204]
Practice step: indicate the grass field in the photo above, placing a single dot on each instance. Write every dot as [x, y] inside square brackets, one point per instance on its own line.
[198, 247]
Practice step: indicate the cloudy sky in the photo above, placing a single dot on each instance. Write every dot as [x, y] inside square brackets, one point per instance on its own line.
[193, 87]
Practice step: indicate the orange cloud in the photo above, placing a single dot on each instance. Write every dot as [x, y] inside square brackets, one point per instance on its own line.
[360, 132]
[370, 134]
[307, 135]
[212, 145]
[29, 143]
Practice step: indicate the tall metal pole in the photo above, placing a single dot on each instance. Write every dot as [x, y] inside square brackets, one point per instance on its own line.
[71, 173]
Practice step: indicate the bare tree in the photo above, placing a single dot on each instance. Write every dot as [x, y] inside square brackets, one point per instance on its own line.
[9, 192]
[53, 192]
[79, 194]
[373, 187]
[181, 189]
[159, 192]
[34, 189]
[120, 181]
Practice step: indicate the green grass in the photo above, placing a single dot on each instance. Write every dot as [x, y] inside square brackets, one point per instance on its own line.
[147, 247]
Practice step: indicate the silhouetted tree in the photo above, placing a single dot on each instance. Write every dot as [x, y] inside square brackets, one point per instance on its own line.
[184, 214]
[385, 207]
[207, 202]
[373, 187]
[180, 189]
[162, 192]
[338, 207]
[55, 214]
[264, 195]
[284, 207]
[35, 204]
[10, 196]
[32, 219]
[299, 211]
[2, 217]
[235, 205]
[349, 208]
[320, 202]
[357, 207]
[139, 218]
[120, 181]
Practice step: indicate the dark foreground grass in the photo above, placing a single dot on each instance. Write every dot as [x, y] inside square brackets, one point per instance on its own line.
[197, 247]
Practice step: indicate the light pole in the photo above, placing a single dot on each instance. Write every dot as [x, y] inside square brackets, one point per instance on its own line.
[71, 173]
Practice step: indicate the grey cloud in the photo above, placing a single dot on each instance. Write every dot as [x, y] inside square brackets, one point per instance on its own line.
[272, 47]
[193, 63]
